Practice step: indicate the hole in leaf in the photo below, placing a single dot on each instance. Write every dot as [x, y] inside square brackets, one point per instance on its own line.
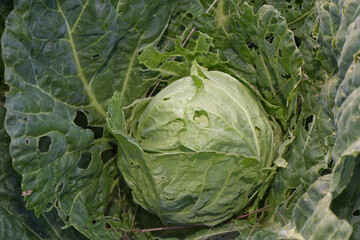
[136, 125]
[280, 53]
[286, 76]
[252, 46]
[308, 121]
[179, 59]
[67, 218]
[60, 187]
[96, 56]
[356, 213]
[270, 38]
[25, 119]
[168, 198]
[167, 98]
[274, 21]
[297, 41]
[107, 226]
[93, 221]
[299, 2]
[85, 160]
[258, 129]
[44, 144]
[330, 164]
[289, 192]
[182, 28]
[107, 155]
[118, 175]
[27, 141]
[98, 132]
[81, 119]
[189, 15]
[325, 172]
[201, 117]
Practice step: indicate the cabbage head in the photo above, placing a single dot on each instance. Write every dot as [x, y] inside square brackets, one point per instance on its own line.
[201, 150]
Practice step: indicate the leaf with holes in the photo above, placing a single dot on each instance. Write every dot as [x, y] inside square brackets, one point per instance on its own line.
[262, 50]
[63, 60]
[17, 222]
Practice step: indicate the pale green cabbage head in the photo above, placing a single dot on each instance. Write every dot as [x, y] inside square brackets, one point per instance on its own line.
[201, 151]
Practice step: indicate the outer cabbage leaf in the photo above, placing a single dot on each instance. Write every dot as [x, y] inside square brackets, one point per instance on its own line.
[312, 217]
[347, 204]
[350, 49]
[160, 62]
[347, 146]
[298, 14]
[334, 19]
[328, 18]
[16, 221]
[5, 7]
[137, 29]
[179, 25]
[261, 49]
[309, 154]
[40, 120]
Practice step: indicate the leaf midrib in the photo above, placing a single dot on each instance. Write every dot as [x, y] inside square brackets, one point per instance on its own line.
[128, 71]
[81, 75]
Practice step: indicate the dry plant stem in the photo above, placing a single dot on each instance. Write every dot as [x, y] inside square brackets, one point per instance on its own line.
[257, 223]
[133, 220]
[262, 214]
[165, 228]
[209, 229]
[277, 211]
[256, 211]
[183, 44]
[262, 210]
[282, 86]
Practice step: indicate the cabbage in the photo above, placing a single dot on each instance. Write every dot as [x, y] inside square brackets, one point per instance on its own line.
[201, 150]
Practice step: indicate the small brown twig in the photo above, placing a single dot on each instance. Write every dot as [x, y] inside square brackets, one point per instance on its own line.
[257, 223]
[209, 230]
[133, 220]
[262, 210]
[256, 211]
[282, 86]
[277, 211]
[165, 228]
